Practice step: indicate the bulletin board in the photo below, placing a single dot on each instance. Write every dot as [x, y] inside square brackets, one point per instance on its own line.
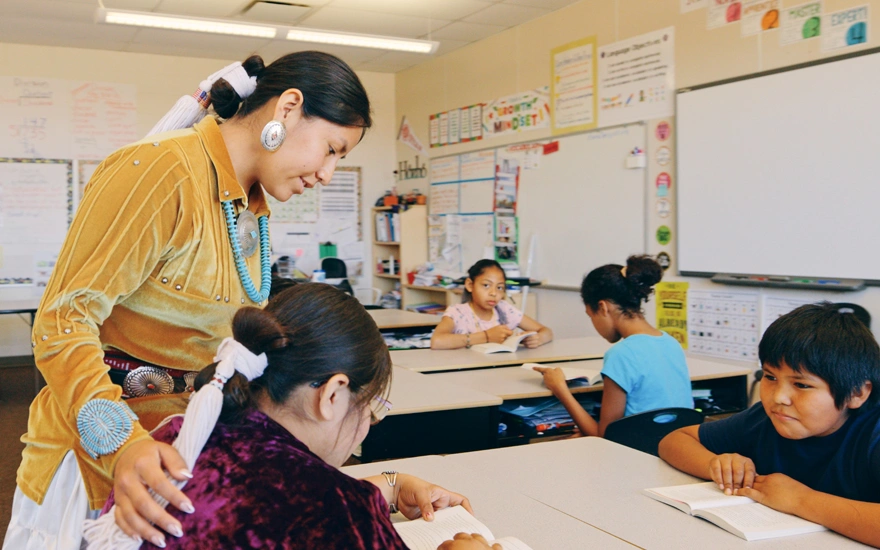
[575, 194]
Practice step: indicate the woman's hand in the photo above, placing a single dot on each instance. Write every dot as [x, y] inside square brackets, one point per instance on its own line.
[416, 497]
[141, 467]
[498, 334]
[464, 541]
[532, 341]
[732, 471]
[554, 379]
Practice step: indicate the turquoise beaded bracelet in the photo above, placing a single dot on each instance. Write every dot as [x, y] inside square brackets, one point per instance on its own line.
[104, 426]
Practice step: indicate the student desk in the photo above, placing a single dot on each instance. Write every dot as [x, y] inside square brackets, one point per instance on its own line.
[564, 349]
[430, 416]
[591, 480]
[396, 318]
[501, 507]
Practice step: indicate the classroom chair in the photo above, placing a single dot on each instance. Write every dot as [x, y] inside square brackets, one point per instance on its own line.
[644, 431]
[334, 268]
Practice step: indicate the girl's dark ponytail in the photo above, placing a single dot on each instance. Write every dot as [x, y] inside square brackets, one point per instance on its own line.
[224, 98]
[627, 287]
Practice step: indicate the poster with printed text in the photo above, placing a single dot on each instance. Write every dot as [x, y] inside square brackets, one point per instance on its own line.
[723, 324]
[476, 114]
[799, 23]
[506, 185]
[723, 12]
[637, 78]
[672, 310]
[434, 130]
[759, 16]
[692, 5]
[517, 113]
[506, 238]
[573, 86]
[845, 28]
[454, 128]
[444, 128]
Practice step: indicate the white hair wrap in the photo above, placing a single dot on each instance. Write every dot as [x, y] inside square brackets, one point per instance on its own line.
[190, 109]
[198, 423]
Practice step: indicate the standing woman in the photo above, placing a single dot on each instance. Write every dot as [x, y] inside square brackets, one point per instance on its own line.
[170, 240]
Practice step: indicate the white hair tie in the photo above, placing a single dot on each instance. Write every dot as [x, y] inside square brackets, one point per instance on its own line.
[233, 356]
[190, 109]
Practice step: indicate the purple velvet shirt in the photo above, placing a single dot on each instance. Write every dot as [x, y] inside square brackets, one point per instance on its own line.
[256, 486]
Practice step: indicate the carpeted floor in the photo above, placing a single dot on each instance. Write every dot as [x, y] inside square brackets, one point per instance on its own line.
[16, 394]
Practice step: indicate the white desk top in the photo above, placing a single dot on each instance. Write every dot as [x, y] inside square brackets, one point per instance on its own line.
[565, 349]
[396, 318]
[498, 505]
[600, 483]
[518, 383]
[413, 392]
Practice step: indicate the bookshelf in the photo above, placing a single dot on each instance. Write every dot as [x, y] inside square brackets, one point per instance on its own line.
[410, 248]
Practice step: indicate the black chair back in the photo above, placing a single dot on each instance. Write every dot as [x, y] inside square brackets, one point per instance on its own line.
[334, 268]
[644, 431]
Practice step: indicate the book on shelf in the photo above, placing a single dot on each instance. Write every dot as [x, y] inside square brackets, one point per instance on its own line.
[509, 345]
[387, 227]
[591, 376]
[739, 515]
[419, 534]
[429, 307]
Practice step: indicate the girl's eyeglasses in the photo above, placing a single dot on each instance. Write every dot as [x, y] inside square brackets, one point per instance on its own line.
[379, 406]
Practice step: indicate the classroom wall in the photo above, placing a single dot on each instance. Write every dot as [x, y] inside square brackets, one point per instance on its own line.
[160, 80]
[519, 59]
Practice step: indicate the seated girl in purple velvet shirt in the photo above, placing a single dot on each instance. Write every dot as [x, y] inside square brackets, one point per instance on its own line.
[268, 474]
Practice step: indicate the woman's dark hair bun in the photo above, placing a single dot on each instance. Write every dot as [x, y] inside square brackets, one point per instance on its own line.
[224, 98]
[643, 272]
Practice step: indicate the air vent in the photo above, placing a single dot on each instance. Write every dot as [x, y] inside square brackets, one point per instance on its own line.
[279, 13]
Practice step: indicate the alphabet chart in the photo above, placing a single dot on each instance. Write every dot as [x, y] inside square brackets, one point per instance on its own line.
[723, 324]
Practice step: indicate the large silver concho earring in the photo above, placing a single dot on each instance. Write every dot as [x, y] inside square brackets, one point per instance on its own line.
[273, 135]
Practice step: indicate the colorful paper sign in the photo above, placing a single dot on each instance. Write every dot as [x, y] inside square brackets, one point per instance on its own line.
[637, 78]
[573, 86]
[664, 235]
[517, 113]
[406, 135]
[672, 310]
[723, 12]
[801, 23]
[845, 28]
[759, 16]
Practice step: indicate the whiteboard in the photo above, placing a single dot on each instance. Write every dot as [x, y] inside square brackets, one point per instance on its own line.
[777, 173]
[585, 206]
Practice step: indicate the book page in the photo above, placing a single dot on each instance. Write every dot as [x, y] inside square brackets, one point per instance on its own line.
[571, 373]
[698, 495]
[755, 521]
[511, 543]
[419, 534]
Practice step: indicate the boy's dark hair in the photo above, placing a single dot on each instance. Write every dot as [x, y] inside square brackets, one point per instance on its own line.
[475, 271]
[627, 291]
[829, 342]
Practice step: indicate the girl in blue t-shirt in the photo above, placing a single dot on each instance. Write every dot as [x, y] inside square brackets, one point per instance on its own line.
[645, 369]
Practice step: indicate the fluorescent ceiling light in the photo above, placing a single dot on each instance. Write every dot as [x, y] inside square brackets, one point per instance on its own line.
[197, 24]
[362, 40]
[140, 19]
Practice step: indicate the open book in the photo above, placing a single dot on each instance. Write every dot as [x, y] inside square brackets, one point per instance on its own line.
[571, 373]
[739, 515]
[510, 344]
[419, 534]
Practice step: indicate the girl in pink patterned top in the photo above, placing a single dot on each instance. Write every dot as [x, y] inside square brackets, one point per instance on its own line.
[485, 316]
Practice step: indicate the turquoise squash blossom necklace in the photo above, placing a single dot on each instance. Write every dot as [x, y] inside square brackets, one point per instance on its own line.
[242, 235]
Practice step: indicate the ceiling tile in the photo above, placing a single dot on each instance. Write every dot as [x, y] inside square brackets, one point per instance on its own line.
[136, 5]
[546, 4]
[202, 8]
[54, 32]
[448, 10]
[275, 49]
[275, 13]
[212, 45]
[506, 15]
[447, 45]
[49, 9]
[369, 22]
[468, 32]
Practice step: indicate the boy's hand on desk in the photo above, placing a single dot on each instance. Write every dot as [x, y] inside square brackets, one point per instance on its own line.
[465, 541]
[778, 491]
[498, 334]
[554, 379]
[532, 341]
[732, 471]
